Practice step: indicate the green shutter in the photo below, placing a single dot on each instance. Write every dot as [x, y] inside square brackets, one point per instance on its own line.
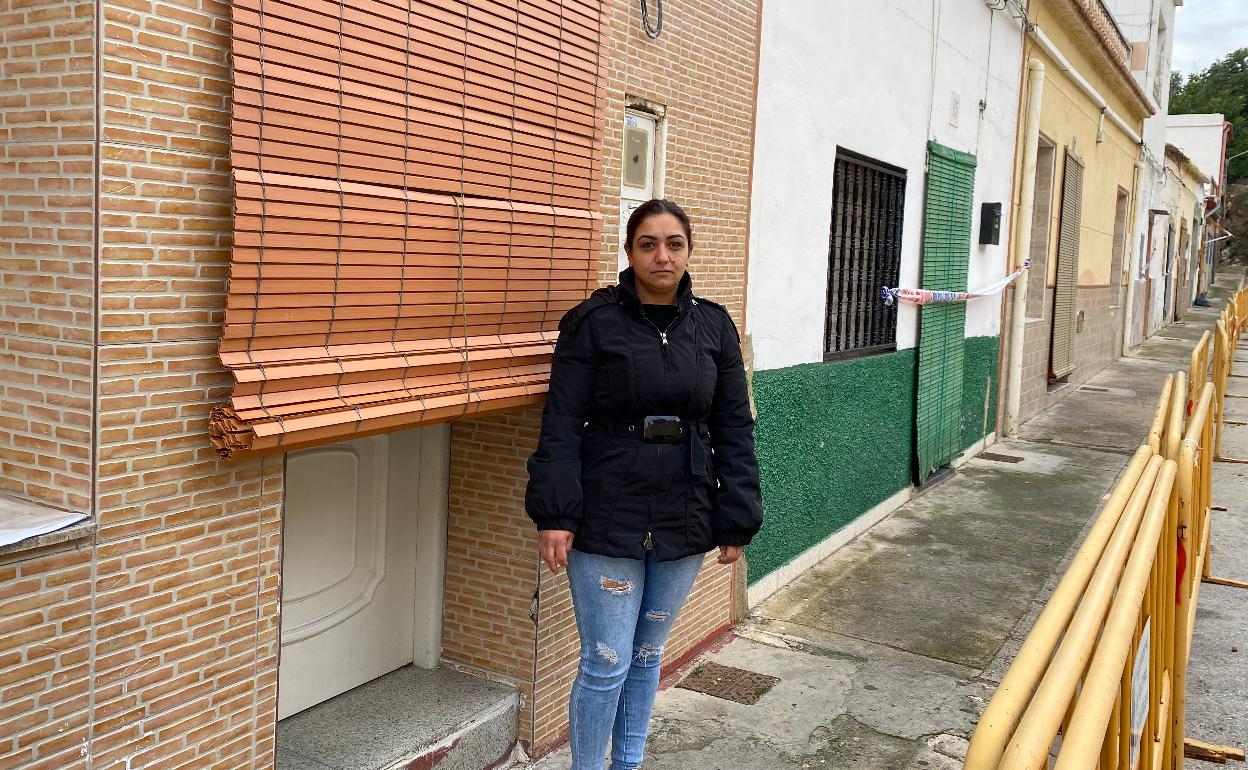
[946, 255]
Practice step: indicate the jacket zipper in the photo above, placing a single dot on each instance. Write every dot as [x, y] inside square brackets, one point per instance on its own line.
[662, 333]
[649, 542]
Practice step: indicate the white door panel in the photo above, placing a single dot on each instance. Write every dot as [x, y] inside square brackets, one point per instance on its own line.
[348, 569]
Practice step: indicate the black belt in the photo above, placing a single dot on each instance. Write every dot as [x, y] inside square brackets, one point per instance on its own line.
[662, 431]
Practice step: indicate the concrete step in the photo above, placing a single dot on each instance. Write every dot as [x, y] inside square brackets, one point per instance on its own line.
[409, 719]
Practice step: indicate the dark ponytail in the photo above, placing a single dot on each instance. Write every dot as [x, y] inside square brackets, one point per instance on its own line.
[651, 208]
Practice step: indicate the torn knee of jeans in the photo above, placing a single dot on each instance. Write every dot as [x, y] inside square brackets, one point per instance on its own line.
[617, 587]
[658, 616]
[647, 651]
[607, 653]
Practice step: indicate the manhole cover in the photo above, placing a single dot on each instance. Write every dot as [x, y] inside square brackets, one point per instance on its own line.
[734, 684]
[999, 457]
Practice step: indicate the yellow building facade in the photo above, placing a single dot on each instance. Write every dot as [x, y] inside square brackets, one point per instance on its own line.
[1081, 117]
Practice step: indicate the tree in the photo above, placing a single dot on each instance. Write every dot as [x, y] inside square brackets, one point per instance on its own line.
[1223, 87]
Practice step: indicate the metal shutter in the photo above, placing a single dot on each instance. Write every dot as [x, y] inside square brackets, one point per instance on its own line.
[946, 254]
[1062, 351]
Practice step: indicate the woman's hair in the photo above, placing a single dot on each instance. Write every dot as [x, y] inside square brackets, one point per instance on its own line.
[652, 208]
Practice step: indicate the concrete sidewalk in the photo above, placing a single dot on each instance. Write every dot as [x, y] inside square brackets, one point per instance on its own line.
[888, 650]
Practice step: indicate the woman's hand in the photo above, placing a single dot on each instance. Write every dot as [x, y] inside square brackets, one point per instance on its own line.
[730, 553]
[553, 545]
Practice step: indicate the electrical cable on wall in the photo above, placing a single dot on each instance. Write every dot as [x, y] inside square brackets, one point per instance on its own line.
[652, 32]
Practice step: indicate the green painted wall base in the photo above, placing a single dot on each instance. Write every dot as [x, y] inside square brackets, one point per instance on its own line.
[835, 440]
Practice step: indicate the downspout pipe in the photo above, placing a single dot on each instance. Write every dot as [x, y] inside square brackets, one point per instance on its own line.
[1133, 264]
[1022, 244]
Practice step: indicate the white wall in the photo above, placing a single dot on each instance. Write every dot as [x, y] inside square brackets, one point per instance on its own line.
[1200, 139]
[1150, 23]
[859, 75]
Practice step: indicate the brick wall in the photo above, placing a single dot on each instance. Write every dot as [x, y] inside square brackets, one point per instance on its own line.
[491, 555]
[45, 623]
[1097, 344]
[166, 620]
[187, 549]
[47, 123]
[701, 71]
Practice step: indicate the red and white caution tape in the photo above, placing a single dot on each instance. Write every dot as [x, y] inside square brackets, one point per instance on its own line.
[934, 296]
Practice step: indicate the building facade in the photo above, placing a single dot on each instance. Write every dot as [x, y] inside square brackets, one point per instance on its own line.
[173, 295]
[891, 105]
[1203, 139]
[1185, 201]
[1149, 29]
[1088, 113]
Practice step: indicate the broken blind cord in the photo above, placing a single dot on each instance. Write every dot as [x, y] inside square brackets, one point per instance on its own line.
[407, 209]
[652, 32]
[511, 201]
[342, 219]
[264, 226]
[461, 297]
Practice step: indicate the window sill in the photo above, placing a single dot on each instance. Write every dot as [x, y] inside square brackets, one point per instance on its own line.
[37, 517]
[859, 353]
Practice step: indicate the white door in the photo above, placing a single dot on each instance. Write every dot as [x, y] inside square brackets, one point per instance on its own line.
[350, 591]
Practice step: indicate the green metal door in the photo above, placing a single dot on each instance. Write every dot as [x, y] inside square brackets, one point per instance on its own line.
[946, 254]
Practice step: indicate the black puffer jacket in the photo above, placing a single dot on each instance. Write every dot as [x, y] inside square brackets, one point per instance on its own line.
[591, 473]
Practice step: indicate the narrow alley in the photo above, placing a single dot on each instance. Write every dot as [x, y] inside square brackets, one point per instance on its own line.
[887, 651]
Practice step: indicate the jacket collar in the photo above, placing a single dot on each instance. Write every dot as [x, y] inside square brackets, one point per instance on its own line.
[628, 289]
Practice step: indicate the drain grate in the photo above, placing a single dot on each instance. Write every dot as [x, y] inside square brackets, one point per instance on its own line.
[1092, 389]
[1000, 458]
[734, 684]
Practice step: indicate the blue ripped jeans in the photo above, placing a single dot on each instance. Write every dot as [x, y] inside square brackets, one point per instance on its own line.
[625, 609]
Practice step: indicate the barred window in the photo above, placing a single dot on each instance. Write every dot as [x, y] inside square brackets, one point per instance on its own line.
[864, 255]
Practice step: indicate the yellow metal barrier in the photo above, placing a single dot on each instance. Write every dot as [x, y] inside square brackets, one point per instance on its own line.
[1060, 688]
[1136, 622]
[1195, 488]
[1177, 413]
[1157, 430]
[1014, 693]
[1127, 602]
[1223, 360]
[1198, 370]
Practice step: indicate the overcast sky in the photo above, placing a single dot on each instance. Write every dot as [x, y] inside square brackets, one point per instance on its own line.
[1207, 30]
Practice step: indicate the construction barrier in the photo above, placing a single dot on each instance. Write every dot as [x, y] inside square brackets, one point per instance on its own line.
[1160, 416]
[1101, 680]
[1223, 360]
[1198, 370]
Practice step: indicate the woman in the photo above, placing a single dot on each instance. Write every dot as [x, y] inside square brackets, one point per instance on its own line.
[645, 462]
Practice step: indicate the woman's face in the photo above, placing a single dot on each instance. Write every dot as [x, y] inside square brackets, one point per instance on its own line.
[659, 253]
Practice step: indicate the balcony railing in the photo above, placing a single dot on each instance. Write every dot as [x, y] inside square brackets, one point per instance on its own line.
[1108, 29]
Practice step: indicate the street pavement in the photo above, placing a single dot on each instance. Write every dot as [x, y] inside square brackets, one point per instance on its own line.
[888, 650]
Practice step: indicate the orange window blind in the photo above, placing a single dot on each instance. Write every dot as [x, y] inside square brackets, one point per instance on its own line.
[416, 205]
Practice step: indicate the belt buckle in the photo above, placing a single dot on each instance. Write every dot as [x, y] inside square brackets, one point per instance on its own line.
[662, 429]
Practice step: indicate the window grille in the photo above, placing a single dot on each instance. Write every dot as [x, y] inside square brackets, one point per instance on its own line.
[864, 255]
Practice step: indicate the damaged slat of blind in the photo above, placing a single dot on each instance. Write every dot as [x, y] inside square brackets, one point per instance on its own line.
[416, 204]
